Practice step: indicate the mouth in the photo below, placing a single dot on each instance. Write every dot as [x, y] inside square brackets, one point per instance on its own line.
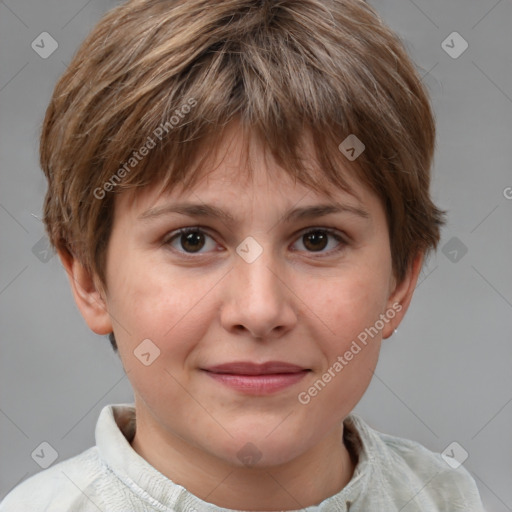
[257, 379]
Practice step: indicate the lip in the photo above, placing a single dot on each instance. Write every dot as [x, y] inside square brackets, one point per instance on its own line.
[257, 379]
[250, 368]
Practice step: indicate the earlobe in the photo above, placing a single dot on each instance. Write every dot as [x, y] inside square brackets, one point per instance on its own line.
[88, 294]
[401, 296]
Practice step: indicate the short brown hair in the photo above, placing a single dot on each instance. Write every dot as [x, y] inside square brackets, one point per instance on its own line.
[330, 68]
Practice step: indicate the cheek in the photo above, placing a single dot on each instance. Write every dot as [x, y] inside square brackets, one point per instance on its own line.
[151, 301]
[354, 301]
[353, 335]
[156, 304]
[351, 309]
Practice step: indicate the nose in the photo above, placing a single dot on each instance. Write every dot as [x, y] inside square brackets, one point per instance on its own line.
[259, 300]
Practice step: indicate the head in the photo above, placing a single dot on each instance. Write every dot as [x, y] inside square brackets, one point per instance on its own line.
[244, 106]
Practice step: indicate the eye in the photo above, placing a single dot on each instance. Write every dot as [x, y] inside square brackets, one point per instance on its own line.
[191, 240]
[317, 239]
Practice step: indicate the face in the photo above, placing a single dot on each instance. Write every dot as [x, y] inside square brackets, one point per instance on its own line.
[262, 325]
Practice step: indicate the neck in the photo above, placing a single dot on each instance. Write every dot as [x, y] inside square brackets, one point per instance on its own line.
[304, 481]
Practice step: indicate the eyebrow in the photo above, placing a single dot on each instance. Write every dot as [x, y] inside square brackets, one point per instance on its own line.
[211, 211]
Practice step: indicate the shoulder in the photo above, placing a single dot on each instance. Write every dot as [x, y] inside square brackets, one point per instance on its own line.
[416, 475]
[68, 485]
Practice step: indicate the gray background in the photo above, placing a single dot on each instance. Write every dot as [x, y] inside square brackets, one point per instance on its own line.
[445, 376]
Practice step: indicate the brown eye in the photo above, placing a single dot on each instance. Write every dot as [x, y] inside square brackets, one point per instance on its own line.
[192, 241]
[189, 241]
[315, 240]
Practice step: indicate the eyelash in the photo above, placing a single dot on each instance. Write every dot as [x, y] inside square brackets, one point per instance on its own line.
[198, 229]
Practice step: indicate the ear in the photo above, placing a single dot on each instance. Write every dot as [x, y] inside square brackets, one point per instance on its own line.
[401, 295]
[88, 293]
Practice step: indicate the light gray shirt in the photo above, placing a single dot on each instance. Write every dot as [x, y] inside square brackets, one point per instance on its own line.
[391, 475]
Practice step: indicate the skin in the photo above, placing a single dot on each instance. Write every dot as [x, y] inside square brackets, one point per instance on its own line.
[297, 302]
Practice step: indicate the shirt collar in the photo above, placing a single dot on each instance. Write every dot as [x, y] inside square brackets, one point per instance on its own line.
[115, 430]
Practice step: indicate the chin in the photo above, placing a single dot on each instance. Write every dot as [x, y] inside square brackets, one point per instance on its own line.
[261, 452]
